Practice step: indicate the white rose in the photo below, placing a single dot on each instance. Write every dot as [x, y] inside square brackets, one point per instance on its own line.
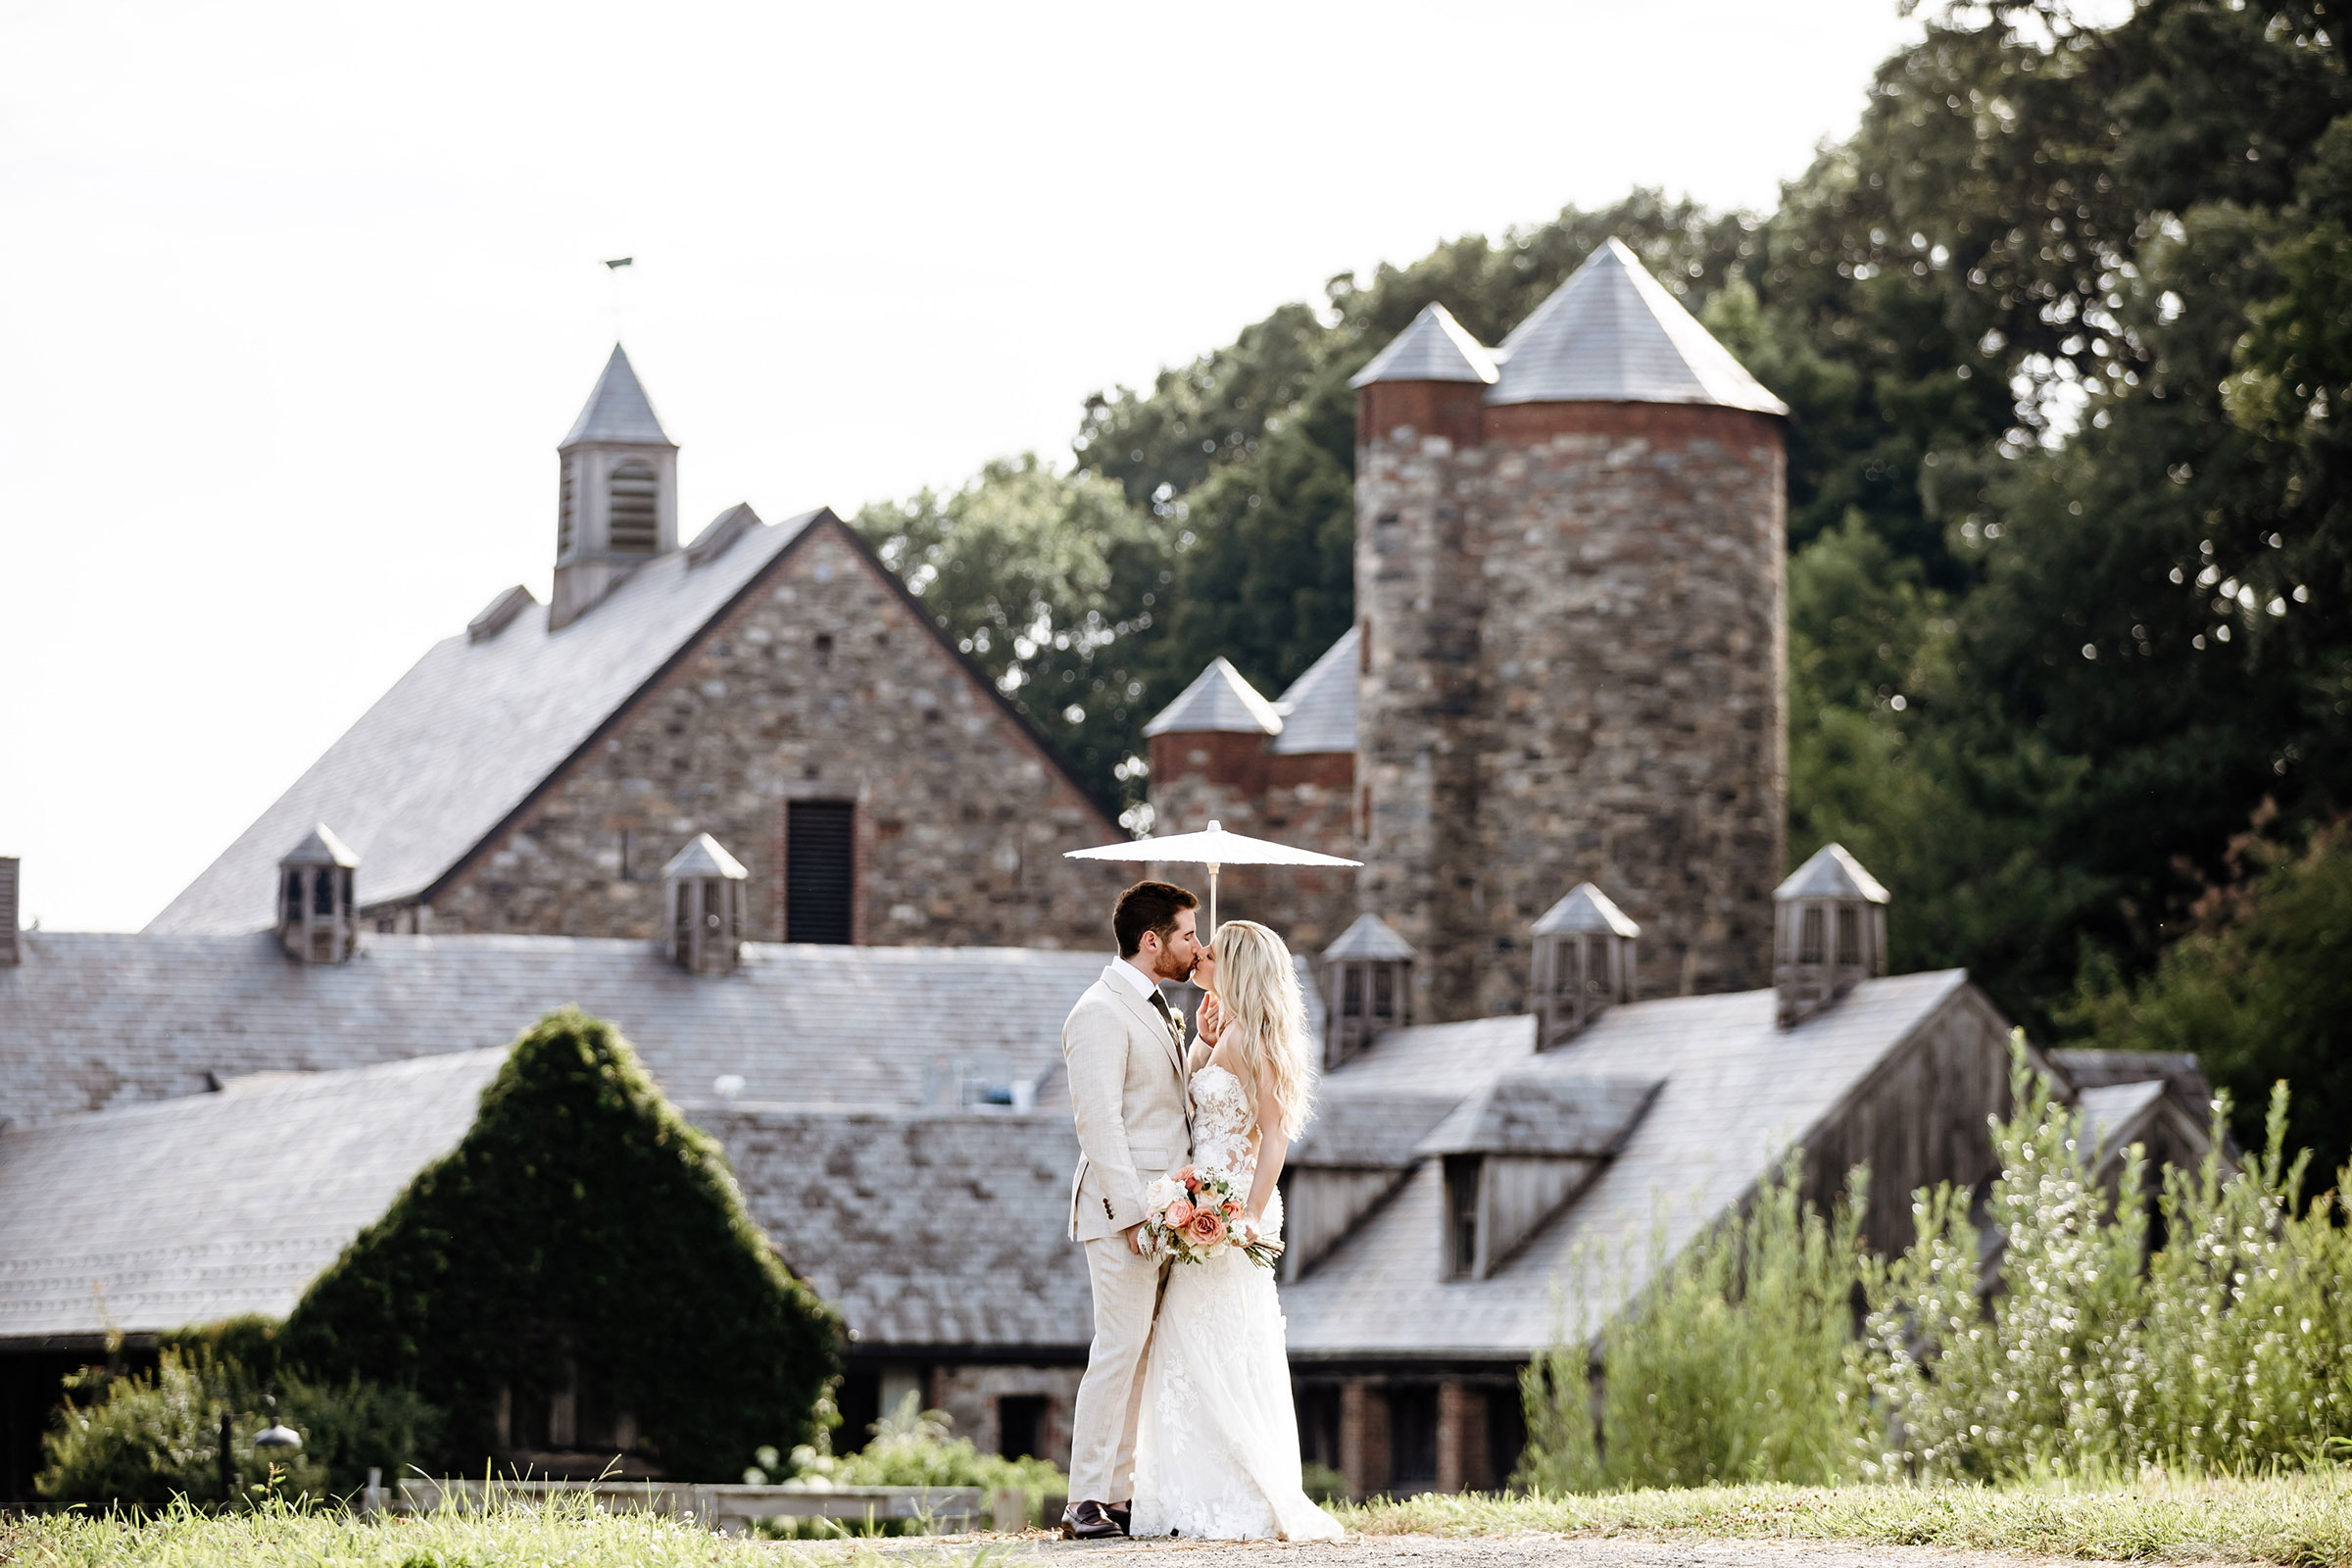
[1161, 1193]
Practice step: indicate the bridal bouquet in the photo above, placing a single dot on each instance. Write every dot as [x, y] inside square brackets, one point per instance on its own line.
[1195, 1214]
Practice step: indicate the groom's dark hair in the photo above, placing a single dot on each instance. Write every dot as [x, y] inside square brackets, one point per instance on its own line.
[1148, 906]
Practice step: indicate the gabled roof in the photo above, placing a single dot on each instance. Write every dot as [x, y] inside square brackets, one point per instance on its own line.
[1370, 1130]
[704, 856]
[1318, 710]
[1613, 335]
[1369, 937]
[618, 409]
[1832, 873]
[320, 847]
[212, 1204]
[1737, 1092]
[470, 732]
[1544, 1110]
[1435, 348]
[1217, 700]
[1585, 908]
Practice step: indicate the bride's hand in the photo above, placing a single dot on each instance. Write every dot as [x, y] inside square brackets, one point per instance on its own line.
[1213, 1018]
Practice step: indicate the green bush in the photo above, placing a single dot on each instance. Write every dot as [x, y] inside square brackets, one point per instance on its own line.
[915, 1447]
[2227, 1348]
[581, 1224]
[2206, 1330]
[1730, 1367]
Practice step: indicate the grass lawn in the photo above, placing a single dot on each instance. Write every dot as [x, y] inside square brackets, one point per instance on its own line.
[2303, 1521]
[2299, 1519]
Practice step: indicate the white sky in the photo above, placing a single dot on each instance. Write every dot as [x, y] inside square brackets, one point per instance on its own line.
[296, 300]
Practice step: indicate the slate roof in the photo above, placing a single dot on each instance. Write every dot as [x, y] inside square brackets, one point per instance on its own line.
[1533, 1111]
[1368, 937]
[1830, 873]
[704, 856]
[942, 1228]
[1611, 334]
[618, 409]
[1585, 908]
[1369, 1129]
[1737, 1094]
[463, 738]
[94, 1021]
[196, 1209]
[2113, 1113]
[1318, 710]
[1434, 348]
[1217, 700]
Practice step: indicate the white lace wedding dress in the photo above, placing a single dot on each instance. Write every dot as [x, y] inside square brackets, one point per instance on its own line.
[1216, 1452]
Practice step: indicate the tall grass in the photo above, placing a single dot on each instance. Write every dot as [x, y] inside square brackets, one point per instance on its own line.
[1729, 1367]
[2206, 1329]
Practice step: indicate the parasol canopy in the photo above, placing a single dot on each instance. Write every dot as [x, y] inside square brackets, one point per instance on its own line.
[1213, 848]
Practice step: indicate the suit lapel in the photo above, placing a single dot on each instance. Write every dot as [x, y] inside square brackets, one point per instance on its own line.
[1148, 1016]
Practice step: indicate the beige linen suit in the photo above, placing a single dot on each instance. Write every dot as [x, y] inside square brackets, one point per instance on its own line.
[1126, 1071]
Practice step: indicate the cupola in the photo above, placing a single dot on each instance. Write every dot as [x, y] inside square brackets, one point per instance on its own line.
[1584, 962]
[617, 503]
[1367, 986]
[318, 916]
[703, 886]
[1829, 931]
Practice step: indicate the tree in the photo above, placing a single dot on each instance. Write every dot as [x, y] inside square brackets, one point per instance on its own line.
[583, 1236]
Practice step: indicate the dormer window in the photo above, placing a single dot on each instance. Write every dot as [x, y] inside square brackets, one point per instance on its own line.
[1462, 1203]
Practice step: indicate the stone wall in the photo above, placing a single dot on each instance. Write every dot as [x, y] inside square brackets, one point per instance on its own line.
[822, 683]
[1302, 798]
[1577, 674]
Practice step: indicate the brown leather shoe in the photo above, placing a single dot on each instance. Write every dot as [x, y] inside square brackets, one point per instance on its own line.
[1122, 1514]
[1089, 1521]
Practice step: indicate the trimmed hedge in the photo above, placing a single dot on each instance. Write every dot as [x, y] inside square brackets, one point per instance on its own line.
[581, 1220]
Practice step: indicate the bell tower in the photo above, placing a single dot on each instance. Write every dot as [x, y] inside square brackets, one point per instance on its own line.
[617, 504]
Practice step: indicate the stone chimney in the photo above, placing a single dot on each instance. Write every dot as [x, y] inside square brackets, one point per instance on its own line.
[1829, 932]
[703, 887]
[1583, 963]
[1367, 987]
[8, 909]
[318, 917]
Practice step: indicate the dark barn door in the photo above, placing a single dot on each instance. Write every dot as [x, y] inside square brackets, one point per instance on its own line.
[819, 869]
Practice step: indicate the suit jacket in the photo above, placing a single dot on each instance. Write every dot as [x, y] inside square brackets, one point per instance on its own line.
[1127, 1095]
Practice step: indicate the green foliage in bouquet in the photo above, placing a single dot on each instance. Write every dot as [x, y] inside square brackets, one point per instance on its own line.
[582, 1223]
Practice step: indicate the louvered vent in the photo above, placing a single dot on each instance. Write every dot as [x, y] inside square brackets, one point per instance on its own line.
[819, 870]
[636, 498]
[564, 513]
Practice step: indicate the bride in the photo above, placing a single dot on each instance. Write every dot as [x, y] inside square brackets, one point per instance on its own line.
[1217, 1441]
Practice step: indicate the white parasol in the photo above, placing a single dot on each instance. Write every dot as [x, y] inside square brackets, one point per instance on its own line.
[1212, 848]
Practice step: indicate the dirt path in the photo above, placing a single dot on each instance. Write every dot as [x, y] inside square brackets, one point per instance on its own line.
[1485, 1551]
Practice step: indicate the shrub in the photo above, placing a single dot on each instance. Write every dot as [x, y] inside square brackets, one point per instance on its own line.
[912, 1448]
[2227, 1349]
[1730, 1367]
[140, 1440]
[581, 1223]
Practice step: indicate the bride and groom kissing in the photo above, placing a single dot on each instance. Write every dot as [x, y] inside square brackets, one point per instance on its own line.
[1184, 1423]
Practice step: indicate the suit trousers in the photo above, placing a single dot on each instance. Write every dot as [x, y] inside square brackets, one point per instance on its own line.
[1110, 1395]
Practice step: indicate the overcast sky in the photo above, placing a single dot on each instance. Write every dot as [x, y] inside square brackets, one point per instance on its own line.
[295, 301]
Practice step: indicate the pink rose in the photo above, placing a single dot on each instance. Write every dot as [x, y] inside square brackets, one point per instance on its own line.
[1204, 1229]
[1231, 1207]
[1191, 1179]
[1180, 1214]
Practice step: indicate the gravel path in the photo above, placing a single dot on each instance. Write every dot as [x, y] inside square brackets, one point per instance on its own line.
[1485, 1551]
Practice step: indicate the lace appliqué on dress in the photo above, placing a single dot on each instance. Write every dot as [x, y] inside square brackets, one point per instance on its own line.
[1217, 1445]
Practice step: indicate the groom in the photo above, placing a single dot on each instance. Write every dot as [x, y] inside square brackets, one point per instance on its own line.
[1125, 1049]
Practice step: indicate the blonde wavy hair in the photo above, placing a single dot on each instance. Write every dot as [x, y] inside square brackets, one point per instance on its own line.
[1266, 1018]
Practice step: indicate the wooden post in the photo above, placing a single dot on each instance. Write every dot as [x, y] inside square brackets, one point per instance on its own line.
[1364, 1437]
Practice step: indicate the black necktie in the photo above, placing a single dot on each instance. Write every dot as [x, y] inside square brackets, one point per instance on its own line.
[1169, 1014]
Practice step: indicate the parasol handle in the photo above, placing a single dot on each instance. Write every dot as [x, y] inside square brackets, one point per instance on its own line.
[1213, 901]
